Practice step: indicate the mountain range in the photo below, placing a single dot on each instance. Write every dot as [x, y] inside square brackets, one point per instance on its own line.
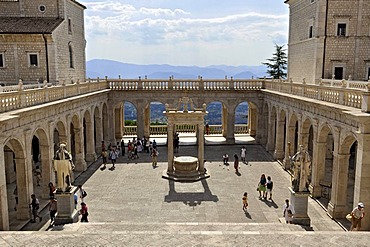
[103, 67]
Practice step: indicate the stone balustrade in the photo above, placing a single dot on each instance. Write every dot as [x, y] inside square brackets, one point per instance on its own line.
[343, 92]
[162, 129]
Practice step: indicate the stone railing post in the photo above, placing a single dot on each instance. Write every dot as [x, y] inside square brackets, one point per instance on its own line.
[231, 86]
[290, 85]
[140, 84]
[365, 104]
[264, 83]
[170, 83]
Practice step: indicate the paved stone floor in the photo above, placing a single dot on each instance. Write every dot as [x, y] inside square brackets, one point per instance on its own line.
[134, 206]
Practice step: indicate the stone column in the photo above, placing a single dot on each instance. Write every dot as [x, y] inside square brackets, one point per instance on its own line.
[170, 129]
[4, 217]
[252, 120]
[80, 163]
[140, 120]
[200, 148]
[279, 144]
[46, 158]
[118, 120]
[147, 121]
[110, 122]
[288, 146]
[98, 133]
[230, 139]
[224, 121]
[90, 150]
[271, 134]
[362, 176]
[262, 130]
[337, 207]
[25, 186]
[318, 168]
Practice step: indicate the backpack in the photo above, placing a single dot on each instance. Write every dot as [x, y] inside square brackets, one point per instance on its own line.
[84, 193]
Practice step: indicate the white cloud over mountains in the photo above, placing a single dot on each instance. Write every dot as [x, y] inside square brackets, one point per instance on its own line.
[133, 26]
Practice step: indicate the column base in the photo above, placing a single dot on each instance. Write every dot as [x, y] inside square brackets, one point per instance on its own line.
[279, 155]
[230, 140]
[90, 157]
[315, 190]
[337, 211]
[299, 200]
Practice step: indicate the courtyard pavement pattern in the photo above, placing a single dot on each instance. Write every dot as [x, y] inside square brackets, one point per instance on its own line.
[134, 206]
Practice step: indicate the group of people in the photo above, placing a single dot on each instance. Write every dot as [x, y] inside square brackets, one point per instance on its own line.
[264, 187]
[225, 158]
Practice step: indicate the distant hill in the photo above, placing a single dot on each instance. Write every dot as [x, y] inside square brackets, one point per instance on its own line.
[102, 67]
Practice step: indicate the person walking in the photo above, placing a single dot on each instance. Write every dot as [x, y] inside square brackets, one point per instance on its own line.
[236, 163]
[113, 155]
[288, 212]
[84, 212]
[269, 186]
[262, 186]
[357, 214]
[225, 158]
[154, 157]
[245, 201]
[83, 192]
[38, 175]
[52, 190]
[123, 147]
[53, 207]
[104, 155]
[243, 153]
[35, 206]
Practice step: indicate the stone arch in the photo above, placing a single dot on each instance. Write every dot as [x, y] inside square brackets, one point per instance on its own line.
[44, 163]
[88, 137]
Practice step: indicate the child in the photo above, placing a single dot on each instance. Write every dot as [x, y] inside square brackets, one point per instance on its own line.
[38, 175]
[245, 201]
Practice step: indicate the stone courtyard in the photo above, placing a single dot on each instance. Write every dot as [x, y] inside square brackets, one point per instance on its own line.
[134, 206]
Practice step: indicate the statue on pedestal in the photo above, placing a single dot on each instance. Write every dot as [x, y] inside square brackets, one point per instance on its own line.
[64, 166]
[302, 170]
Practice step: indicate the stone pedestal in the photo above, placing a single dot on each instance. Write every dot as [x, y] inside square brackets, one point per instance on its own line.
[66, 208]
[299, 200]
[186, 169]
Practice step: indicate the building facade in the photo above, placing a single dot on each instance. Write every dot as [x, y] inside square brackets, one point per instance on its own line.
[329, 38]
[42, 40]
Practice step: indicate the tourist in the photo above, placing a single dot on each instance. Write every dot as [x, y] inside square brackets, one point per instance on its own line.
[123, 147]
[262, 186]
[176, 143]
[225, 158]
[236, 163]
[75, 198]
[103, 146]
[357, 214]
[207, 129]
[154, 144]
[269, 186]
[243, 152]
[113, 155]
[52, 190]
[288, 212]
[84, 212]
[154, 155]
[104, 155]
[245, 201]
[83, 192]
[35, 206]
[53, 207]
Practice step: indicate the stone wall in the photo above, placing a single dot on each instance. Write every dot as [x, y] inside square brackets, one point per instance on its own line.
[352, 52]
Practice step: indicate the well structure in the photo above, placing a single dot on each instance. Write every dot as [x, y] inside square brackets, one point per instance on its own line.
[185, 168]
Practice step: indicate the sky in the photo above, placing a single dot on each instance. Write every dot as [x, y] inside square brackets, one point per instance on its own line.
[185, 32]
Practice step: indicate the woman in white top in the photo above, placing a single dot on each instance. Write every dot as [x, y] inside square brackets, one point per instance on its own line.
[288, 212]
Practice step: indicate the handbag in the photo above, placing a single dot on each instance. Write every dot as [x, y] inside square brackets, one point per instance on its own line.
[349, 217]
[290, 213]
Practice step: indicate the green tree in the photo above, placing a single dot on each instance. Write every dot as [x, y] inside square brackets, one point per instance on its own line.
[276, 66]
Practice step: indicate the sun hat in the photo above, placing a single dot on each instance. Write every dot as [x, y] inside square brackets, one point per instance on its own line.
[361, 205]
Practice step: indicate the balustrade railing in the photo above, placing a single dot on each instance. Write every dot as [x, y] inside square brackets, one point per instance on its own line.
[343, 92]
[184, 128]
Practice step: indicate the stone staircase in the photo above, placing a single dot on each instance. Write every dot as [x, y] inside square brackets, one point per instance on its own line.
[195, 234]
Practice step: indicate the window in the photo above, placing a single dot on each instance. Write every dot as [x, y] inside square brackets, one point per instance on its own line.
[341, 30]
[69, 26]
[33, 60]
[2, 62]
[70, 55]
[310, 32]
[338, 73]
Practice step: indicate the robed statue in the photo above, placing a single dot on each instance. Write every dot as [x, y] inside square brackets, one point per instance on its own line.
[63, 165]
[302, 170]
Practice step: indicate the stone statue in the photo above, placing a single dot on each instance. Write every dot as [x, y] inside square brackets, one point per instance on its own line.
[302, 170]
[64, 166]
